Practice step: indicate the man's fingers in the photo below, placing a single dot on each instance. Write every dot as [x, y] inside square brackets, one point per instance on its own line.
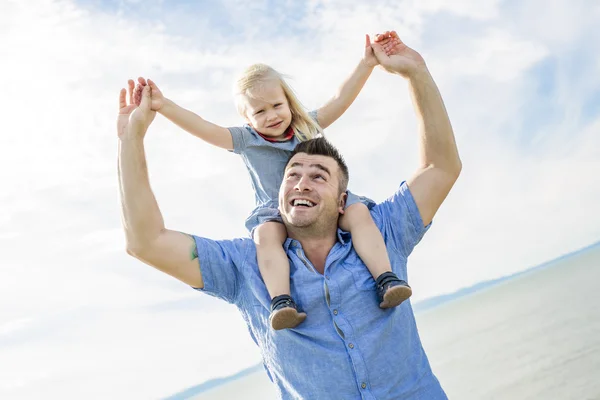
[138, 95]
[378, 50]
[122, 101]
[142, 81]
[395, 48]
[385, 41]
[131, 85]
[389, 43]
[395, 39]
[387, 36]
[381, 36]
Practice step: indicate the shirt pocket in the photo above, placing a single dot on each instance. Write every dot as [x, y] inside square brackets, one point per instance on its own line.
[360, 274]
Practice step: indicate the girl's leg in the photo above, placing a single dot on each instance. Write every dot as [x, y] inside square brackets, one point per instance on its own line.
[274, 268]
[273, 263]
[369, 245]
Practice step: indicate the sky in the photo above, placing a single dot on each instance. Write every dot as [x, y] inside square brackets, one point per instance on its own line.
[520, 79]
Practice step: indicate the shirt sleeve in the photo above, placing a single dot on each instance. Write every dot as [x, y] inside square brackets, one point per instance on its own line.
[400, 221]
[238, 135]
[313, 115]
[220, 264]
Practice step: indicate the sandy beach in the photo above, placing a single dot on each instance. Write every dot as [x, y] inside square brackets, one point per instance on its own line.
[534, 336]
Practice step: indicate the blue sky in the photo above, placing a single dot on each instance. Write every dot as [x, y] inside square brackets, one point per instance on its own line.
[521, 81]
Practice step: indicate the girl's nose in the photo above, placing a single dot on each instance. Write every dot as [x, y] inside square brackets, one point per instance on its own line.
[271, 115]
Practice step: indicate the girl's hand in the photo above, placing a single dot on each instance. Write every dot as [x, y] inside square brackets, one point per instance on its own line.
[396, 57]
[369, 57]
[158, 99]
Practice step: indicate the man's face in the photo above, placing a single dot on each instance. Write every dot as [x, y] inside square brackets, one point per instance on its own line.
[309, 195]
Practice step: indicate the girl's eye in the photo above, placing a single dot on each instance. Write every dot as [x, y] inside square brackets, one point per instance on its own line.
[258, 112]
[277, 105]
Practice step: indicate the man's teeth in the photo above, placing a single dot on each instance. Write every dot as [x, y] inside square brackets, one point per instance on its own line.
[299, 202]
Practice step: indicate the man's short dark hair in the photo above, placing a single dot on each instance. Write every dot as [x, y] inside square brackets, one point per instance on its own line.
[321, 147]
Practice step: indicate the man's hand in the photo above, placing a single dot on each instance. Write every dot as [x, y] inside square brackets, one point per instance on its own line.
[133, 121]
[396, 57]
[158, 99]
[125, 109]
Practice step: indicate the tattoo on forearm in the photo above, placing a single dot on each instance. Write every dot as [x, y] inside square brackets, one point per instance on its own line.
[194, 254]
[194, 248]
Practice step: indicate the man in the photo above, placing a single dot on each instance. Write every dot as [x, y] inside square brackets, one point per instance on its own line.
[348, 348]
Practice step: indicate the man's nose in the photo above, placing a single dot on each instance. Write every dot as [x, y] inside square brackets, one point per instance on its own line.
[302, 184]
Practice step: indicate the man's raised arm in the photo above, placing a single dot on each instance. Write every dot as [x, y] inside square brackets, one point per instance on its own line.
[440, 163]
[147, 239]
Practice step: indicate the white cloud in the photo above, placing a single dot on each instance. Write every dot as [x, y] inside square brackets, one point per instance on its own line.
[478, 10]
[497, 55]
[528, 190]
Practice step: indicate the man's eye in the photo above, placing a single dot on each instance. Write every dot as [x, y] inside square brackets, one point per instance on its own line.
[319, 176]
[292, 175]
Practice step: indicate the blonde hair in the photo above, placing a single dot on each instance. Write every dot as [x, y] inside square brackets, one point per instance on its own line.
[304, 126]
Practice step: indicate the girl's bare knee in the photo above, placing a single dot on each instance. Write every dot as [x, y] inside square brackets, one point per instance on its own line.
[356, 216]
[269, 233]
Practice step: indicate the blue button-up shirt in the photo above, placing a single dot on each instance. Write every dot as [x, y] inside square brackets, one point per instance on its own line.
[348, 347]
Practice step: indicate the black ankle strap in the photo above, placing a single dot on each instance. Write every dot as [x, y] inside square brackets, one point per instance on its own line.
[283, 300]
[385, 278]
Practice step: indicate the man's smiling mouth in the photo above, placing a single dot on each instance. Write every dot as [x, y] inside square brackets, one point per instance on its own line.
[302, 203]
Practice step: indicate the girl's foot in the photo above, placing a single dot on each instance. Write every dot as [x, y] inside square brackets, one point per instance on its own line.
[284, 313]
[391, 290]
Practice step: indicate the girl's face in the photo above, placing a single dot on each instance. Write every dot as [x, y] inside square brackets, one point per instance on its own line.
[268, 110]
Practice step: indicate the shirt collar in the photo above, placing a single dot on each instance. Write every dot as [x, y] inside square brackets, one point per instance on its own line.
[289, 134]
[343, 238]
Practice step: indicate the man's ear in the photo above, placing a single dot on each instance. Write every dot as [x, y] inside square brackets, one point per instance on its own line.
[342, 202]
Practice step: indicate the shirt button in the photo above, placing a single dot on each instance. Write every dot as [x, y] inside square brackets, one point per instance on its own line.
[363, 385]
[327, 277]
[335, 312]
[351, 345]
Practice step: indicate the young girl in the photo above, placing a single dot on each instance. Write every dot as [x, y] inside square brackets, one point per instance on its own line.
[276, 122]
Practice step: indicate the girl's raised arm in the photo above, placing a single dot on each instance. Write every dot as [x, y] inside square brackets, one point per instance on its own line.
[349, 89]
[187, 120]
